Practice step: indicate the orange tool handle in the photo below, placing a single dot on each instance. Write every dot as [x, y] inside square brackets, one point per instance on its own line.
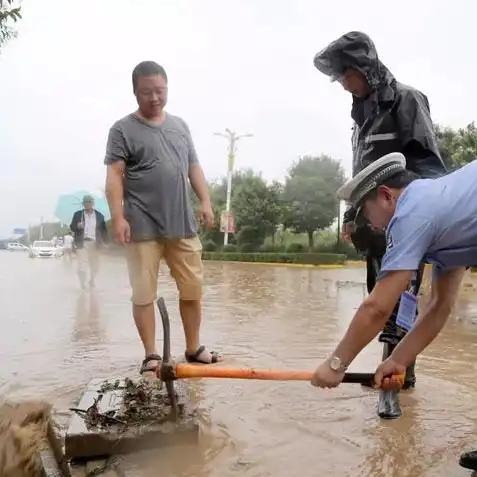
[206, 371]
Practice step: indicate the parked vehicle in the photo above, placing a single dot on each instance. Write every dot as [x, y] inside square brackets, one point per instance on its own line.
[16, 247]
[43, 249]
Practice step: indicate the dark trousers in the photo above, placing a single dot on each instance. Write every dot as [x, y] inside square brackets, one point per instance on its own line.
[392, 334]
[373, 243]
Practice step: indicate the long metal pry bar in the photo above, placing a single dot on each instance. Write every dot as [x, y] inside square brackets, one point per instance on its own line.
[166, 354]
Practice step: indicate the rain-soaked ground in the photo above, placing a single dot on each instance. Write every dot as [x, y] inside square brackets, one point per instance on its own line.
[54, 339]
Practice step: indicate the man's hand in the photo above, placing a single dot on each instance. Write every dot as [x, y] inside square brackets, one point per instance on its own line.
[121, 230]
[201, 189]
[325, 377]
[206, 215]
[80, 226]
[347, 230]
[387, 368]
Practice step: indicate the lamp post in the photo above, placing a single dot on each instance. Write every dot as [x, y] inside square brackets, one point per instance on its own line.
[232, 139]
[338, 231]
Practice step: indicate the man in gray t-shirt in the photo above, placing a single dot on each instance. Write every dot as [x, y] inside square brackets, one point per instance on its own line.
[150, 160]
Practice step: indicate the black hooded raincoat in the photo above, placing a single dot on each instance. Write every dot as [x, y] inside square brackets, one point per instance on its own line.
[394, 118]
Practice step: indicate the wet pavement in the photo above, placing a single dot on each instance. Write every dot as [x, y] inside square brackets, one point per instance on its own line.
[55, 339]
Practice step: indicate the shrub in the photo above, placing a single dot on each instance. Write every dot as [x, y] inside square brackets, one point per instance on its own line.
[250, 235]
[230, 247]
[298, 258]
[271, 249]
[247, 248]
[342, 247]
[209, 246]
[296, 248]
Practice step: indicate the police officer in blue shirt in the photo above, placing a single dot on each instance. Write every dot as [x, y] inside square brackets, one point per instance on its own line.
[424, 220]
[388, 116]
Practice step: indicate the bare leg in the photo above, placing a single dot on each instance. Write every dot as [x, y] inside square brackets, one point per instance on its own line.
[184, 258]
[191, 314]
[145, 320]
[143, 266]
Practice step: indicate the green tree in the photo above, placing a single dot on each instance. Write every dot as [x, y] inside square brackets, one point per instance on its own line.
[9, 12]
[218, 189]
[218, 196]
[457, 147]
[256, 208]
[277, 203]
[310, 190]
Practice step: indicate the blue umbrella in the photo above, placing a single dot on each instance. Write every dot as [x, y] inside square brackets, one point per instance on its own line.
[68, 204]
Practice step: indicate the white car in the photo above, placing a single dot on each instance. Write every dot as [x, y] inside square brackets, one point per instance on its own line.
[16, 247]
[43, 248]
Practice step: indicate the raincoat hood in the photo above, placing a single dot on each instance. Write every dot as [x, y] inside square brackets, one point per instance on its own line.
[394, 118]
[354, 50]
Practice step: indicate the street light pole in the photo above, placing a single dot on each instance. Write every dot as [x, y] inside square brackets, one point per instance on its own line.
[232, 139]
[338, 231]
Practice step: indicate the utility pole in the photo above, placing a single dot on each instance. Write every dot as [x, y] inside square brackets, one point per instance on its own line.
[232, 139]
[338, 231]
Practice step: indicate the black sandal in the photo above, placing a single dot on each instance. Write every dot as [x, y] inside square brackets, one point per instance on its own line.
[144, 366]
[194, 357]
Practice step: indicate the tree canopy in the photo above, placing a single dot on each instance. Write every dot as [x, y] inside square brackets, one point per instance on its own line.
[10, 12]
[310, 192]
[457, 146]
[305, 203]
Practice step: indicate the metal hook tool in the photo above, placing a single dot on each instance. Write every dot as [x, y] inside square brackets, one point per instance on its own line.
[166, 355]
[169, 371]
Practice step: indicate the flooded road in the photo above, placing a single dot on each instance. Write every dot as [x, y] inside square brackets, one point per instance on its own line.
[54, 339]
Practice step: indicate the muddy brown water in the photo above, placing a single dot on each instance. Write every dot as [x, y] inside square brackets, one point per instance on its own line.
[54, 339]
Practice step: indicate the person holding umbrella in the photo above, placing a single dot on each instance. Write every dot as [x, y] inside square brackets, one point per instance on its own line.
[90, 234]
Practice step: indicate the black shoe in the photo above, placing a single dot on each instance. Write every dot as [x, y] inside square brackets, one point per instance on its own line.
[391, 333]
[468, 460]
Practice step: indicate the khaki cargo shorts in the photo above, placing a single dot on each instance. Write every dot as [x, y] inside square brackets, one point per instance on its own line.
[184, 258]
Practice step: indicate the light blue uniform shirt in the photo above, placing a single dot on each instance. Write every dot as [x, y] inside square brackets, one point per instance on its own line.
[435, 221]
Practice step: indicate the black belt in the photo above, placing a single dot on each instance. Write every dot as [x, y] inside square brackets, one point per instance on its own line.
[89, 240]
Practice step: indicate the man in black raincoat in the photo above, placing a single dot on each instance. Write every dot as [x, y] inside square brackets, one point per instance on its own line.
[388, 117]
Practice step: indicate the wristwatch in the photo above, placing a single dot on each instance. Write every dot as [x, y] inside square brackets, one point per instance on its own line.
[337, 365]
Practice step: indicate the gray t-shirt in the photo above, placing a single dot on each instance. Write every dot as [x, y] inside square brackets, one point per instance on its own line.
[156, 193]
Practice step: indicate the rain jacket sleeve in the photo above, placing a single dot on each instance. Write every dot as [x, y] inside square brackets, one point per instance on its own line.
[74, 221]
[417, 134]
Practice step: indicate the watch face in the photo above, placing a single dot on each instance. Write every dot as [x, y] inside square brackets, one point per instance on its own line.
[335, 363]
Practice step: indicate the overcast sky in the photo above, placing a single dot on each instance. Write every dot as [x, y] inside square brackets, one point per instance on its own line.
[242, 64]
